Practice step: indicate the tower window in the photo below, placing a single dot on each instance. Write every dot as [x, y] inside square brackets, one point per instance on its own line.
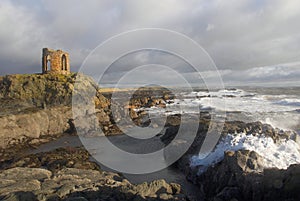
[64, 62]
[48, 63]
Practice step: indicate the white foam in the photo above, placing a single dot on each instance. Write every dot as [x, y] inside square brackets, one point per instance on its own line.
[284, 121]
[280, 155]
[272, 109]
[289, 102]
[240, 100]
[220, 93]
[278, 110]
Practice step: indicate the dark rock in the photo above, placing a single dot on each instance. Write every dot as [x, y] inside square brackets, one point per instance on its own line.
[257, 128]
[240, 176]
[58, 159]
[20, 196]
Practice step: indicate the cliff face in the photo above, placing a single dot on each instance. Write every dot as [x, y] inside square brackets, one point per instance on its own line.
[35, 106]
[38, 105]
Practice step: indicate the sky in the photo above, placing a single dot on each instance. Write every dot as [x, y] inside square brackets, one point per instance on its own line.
[252, 42]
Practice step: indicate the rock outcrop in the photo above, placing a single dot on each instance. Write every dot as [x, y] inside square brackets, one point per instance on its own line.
[34, 125]
[258, 128]
[39, 105]
[78, 184]
[67, 174]
[230, 127]
[69, 157]
[240, 176]
[34, 106]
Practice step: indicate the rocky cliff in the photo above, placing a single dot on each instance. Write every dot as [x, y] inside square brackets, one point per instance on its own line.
[39, 106]
[33, 106]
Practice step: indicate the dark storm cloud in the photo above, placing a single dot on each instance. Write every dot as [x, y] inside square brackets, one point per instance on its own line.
[238, 34]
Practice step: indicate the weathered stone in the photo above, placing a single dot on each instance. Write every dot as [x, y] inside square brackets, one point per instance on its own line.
[31, 173]
[52, 121]
[55, 61]
[154, 188]
[55, 160]
[20, 185]
[165, 196]
[76, 184]
[176, 188]
[36, 105]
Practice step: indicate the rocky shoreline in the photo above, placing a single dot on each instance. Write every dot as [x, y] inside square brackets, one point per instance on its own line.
[241, 175]
[34, 106]
[78, 184]
[68, 174]
[36, 109]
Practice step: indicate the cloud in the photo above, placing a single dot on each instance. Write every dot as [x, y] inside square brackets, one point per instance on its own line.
[19, 37]
[210, 27]
[238, 34]
[277, 75]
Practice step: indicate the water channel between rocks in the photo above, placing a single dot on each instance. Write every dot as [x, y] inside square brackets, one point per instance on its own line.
[170, 174]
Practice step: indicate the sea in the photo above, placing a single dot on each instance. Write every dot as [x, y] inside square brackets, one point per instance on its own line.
[278, 107]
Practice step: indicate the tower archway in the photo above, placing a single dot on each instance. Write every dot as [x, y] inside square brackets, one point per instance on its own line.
[64, 63]
[48, 63]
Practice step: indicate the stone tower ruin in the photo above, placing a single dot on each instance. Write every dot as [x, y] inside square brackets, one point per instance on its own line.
[55, 61]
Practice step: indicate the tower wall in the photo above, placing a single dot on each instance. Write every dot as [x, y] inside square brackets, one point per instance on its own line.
[55, 61]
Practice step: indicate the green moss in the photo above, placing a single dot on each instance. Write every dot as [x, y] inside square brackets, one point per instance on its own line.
[38, 88]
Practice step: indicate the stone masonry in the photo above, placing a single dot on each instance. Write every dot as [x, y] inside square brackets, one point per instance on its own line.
[55, 61]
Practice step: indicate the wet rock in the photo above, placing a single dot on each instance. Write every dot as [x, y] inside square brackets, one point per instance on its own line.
[231, 173]
[54, 160]
[257, 128]
[20, 196]
[240, 176]
[228, 193]
[78, 184]
[282, 184]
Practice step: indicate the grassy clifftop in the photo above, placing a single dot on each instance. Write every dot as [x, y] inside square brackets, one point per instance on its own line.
[38, 89]
[41, 90]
